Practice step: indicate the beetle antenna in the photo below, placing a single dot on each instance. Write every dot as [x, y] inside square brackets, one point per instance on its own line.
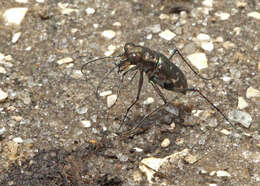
[92, 61]
[177, 51]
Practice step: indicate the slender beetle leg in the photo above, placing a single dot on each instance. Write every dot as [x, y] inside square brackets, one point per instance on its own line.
[140, 85]
[175, 50]
[158, 91]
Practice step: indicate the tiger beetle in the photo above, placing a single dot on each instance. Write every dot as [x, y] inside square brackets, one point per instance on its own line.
[159, 70]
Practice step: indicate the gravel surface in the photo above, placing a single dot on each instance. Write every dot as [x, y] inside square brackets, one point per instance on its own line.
[55, 131]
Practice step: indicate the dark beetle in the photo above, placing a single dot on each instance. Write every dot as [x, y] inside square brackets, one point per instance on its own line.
[159, 70]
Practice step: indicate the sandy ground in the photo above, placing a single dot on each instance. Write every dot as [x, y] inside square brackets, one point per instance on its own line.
[54, 131]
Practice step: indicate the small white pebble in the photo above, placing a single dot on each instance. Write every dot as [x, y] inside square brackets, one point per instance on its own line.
[242, 103]
[219, 39]
[65, 60]
[138, 149]
[40, 1]
[237, 30]
[105, 93]
[222, 15]
[2, 70]
[212, 173]
[86, 123]
[164, 16]
[117, 24]
[222, 173]
[21, 1]
[243, 118]
[18, 140]
[108, 34]
[226, 78]
[167, 35]
[228, 45]
[111, 100]
[2, 131]
[16, 36]
[148, 101]
[199, 60]
[149, 36]
[14, 15]
[208, 3]
[90, 11]
[208, 46]
[65, 10]
[226, 132]
[111, 50]
[165, 143]
[251, 92]
[255, 15]
[3, 96]
[203, 37]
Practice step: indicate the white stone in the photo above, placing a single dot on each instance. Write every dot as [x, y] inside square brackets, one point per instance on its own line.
[111, 100]
[208, 46]
[164, 16]
[65, 60]
[90, 11]
[165, 143]
[118, 24]
[21, 1]
[226, 78]
[242, 103]
[3, 96]
[199, 60]
[111, 50]
[222, 173]
[212, 173]
[18, 140]
[225, 131]
[237, 30]
[108, 34]
[16, 36]
[251, 92]
[222, 15]
[219, 39]
[40, 1]
[203, 37]
[241, 117]
[167, 35]
[149, 36]
[255, 15]
[66, 11]
[208, 3]
[151, 165]
[138, 149]
[86, 123]
[105, 93]
[228, 45]
[148, 101]
[2, 70]
[2, 131]
[14, 15]
[241, 4]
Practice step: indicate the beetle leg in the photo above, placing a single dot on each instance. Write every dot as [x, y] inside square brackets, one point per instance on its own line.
[175, 50]
[158, 91]
[122, 79]
[140, 85]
